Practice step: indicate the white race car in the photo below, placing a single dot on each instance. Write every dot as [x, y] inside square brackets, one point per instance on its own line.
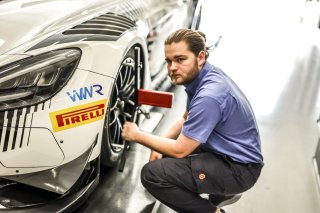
[69, 75]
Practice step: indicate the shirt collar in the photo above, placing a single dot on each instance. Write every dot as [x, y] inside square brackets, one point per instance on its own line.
[192, 87]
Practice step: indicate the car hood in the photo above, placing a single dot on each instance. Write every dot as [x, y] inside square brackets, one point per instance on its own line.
[22, 21]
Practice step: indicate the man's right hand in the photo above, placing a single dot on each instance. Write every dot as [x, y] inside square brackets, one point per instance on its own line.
[155, 155]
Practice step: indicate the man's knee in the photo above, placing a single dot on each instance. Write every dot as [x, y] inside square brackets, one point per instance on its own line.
[150, 173]
[145, 173]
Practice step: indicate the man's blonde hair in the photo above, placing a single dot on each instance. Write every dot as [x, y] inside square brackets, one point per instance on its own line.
[195, 40]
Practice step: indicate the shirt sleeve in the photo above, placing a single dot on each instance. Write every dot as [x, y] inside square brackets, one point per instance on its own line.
[203, 115]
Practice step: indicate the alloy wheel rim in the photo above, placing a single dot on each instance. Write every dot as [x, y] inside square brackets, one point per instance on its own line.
[122, 105]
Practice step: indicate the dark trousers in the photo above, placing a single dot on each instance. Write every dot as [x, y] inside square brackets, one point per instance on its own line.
[178, 182]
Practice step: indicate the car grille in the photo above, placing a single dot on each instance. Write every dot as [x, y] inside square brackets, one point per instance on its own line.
[15, 126]
[108, 24]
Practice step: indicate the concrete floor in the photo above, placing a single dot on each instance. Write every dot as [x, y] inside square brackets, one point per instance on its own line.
[275, 59]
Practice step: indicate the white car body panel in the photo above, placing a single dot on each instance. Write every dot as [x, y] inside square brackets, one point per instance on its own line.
[61, 134]
[39, 18]
[90, 71]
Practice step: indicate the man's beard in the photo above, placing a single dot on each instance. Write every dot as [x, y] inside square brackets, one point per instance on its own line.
[189, 79]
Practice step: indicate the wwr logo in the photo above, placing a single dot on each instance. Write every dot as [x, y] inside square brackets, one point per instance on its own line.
[85, 92]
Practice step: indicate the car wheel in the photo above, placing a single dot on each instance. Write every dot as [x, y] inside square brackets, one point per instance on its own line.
[121, 107]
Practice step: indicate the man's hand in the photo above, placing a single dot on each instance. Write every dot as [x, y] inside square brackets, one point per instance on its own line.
[129, 131]
[155, 155]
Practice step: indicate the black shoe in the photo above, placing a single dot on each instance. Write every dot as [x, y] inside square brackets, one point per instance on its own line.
[222, 211]
[224, 200]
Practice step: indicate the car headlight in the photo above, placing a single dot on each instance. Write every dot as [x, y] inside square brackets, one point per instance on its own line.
[35, 79]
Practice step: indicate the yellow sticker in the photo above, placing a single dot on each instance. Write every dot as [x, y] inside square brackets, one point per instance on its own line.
[77, 116]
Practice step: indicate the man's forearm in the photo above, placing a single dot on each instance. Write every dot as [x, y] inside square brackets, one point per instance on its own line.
[172, 134]
[160, 144]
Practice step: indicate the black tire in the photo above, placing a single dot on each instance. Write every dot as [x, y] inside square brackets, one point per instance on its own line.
[121, 107]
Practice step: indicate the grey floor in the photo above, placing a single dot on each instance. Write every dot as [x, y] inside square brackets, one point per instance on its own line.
[271, 49]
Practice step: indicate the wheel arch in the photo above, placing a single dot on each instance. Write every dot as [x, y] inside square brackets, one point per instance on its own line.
[146, 79]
